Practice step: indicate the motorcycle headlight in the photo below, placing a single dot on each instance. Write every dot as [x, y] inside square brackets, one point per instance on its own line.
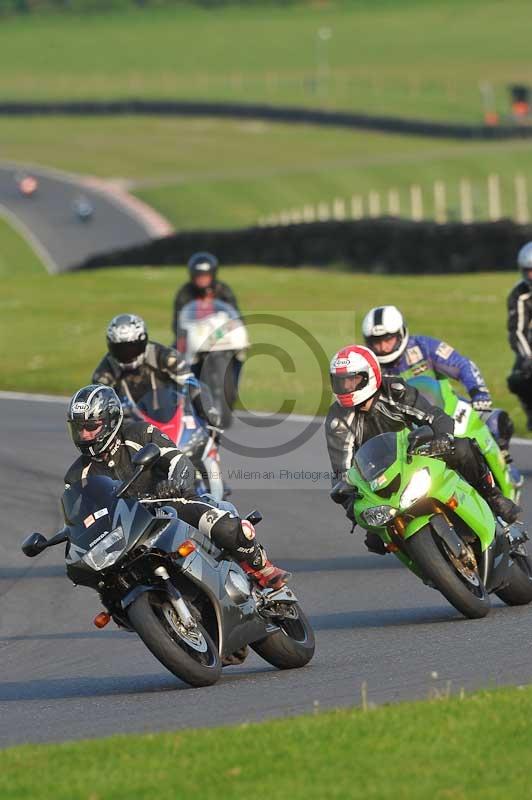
[107, 551]
[378, 515]
[417, 488]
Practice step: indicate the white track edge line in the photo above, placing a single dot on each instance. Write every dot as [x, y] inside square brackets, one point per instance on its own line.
[52, 398]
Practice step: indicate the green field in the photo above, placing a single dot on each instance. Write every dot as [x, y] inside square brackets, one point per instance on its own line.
[476, 748]
[273, 54]
[206, 173]
[69, 315]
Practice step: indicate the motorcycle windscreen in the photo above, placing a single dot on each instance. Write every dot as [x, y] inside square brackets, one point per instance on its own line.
[376, 455]
[428, 386]
[160, 404]
[211, 324]
[89, 509]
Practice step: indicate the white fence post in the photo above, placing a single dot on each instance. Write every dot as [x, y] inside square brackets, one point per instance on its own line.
[440, 202]
[284, 218]
[374, 204]
[494, 197]
[416, 202]
[323, 212]
[521, 199]
[357, 207]
[309, 214]
[466, 201]
[296, 217]
[394, 204]
[339, 208]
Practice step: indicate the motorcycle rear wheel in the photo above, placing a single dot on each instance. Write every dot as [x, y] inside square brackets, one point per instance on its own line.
[291, 647]
[192, 657]
[468, 597]
[519, 589]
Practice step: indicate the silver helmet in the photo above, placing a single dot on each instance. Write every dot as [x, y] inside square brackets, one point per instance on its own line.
[127, 338]
[524, 260]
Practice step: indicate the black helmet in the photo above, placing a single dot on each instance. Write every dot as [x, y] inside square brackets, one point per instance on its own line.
[127, 338]
[202, 264]
[94, 417]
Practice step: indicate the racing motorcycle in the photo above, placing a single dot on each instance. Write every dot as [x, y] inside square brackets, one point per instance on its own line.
[436, 523]
[482, 427]
[170, 409]
[216, 341]
[192, 606]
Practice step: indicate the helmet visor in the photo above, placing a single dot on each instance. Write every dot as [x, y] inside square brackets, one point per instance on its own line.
[346, 384]
[125, 352]
[86, 431]
[383, 345]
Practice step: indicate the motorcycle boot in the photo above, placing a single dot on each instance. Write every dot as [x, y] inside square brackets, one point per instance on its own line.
[501, 506]
[259, 567]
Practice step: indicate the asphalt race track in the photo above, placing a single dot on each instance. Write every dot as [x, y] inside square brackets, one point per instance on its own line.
[61, 678]
[48, 219]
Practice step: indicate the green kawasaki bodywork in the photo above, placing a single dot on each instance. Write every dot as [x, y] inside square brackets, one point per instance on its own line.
[467, 422]
[444, 484]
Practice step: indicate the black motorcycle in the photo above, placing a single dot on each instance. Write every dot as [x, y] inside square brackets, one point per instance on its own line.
[192, 606]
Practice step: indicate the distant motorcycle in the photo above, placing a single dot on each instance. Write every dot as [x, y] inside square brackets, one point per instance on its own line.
[27, 184]
[216, 341]
[170, 409]
[191, 606]
[83, 209]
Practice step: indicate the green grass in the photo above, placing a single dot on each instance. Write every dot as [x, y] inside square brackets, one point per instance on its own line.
[477, 748]
[402, 57]
[74, 310]
[206, 173]
[17, 259]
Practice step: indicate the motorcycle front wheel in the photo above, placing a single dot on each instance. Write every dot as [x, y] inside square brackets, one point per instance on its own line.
[460, 585]
[190, 655]
[290, 647]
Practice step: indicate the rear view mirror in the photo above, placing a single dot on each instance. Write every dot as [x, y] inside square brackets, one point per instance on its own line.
[254, 517]
[34, 544]
[149, 454]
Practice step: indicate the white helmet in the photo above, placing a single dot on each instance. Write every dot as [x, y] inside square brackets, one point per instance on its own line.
[348, 362]
[524, 260]
[385, 321]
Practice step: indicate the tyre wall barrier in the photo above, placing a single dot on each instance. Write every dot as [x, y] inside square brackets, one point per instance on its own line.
[384, 245]
[260, 111]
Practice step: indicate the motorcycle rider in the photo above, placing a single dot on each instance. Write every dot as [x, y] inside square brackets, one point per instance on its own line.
[203, 283]
[386, 334]
[368, 403]
[520, 333]
[107, 443]
[133, 364]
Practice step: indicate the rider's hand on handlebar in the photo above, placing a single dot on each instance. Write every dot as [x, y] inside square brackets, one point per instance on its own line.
[167, 489]
[482, 404]
[418, 437]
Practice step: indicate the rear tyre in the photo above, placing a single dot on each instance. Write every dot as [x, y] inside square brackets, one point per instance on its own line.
[519, 589]
[290, 647]
[191, 656]
[467, 594]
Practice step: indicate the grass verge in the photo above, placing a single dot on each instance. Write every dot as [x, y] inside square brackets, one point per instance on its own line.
[318, 313]
[476, 748]
[207, 173]
[370, 60]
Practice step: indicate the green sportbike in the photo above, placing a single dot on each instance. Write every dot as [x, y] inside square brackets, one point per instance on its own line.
[468, 422]
[437, 524]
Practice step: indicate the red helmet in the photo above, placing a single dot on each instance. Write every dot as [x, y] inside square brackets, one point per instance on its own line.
[347, 364]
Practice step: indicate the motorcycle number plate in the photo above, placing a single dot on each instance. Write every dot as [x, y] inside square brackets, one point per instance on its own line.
[189, 422]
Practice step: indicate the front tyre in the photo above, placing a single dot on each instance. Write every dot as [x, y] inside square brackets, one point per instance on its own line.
[519, 589]
[191, 656]
[290, 647]
[462, 587]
